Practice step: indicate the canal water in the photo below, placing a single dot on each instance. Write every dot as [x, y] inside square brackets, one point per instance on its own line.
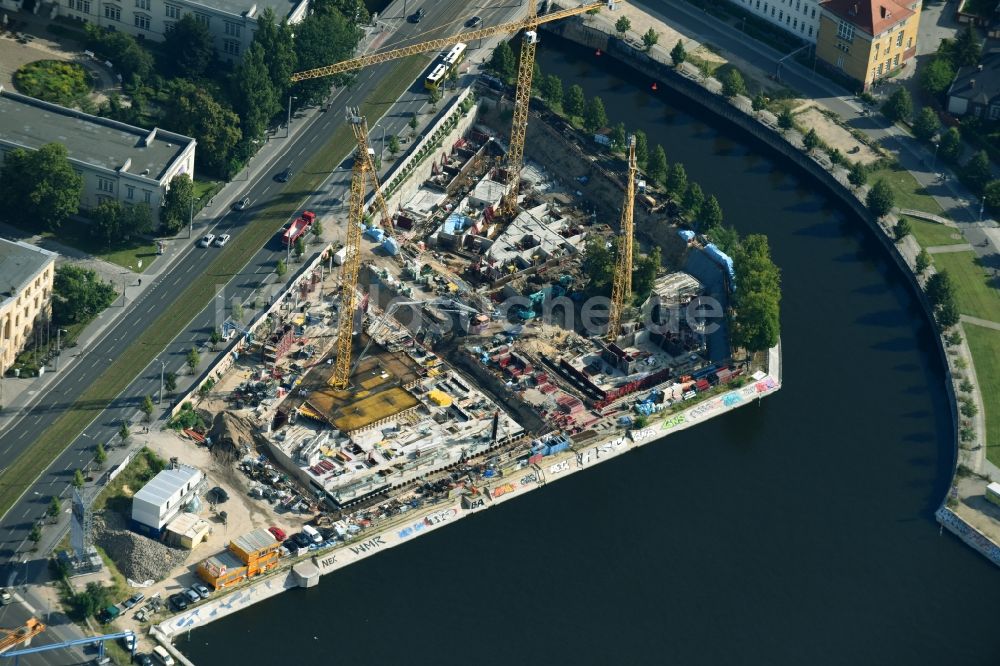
[798, 531]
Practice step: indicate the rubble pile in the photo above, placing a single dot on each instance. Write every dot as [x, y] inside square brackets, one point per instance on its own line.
[231, 436]
[138, 557]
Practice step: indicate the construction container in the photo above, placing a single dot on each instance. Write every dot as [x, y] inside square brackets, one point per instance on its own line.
[440, 398]
[222, 570]
[340, 256]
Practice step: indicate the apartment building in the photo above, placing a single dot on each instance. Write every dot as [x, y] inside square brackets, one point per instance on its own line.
[26, 275]
[798, 17]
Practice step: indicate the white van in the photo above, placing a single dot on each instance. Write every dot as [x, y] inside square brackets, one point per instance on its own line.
[312, 533]
[163, 656]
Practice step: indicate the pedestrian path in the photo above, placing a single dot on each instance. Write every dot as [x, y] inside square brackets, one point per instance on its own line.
[985, 323]
[944, 249]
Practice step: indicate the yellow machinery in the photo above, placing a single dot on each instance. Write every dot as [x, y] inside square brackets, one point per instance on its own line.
[621, 286]
[529, 24]
[12, 637]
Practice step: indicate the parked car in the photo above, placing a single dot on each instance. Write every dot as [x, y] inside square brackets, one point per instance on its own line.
[193, 597]
[474, 22]
[136, 598]
[416, 16]
[5, 597]
[285, 175]
[128, 603]
[101, 661]
[302, 540]
[206, 240]
[179, 601]
[129, 642]
[203, 590]
[277, 533]
[144, 659]
[222, 240]
[242, 204]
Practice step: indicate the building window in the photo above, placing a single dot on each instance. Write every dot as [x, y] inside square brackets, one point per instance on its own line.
[168, 26]
[994, 112]
[788, 20]
[142, 21]
[798, 5]
[142, 4]
[202, 18]
[795, 24]
[899, 39]
[129, 191]
[146, 195]
[909, 42]
[772, 12]
[105, 185]
[895, 61]
[810, 31]
[880, 69]
[83, 6]
[233, 29]
[173, 11]
[231, 47]
[781, 15]
[113, 12]
[814, 12]
[758, 4]
[845, 31]
[840, 62]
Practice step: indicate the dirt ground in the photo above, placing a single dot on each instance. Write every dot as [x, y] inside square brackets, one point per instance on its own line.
[835, 136]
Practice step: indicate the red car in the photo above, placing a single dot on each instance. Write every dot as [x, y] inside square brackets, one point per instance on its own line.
[277, 533]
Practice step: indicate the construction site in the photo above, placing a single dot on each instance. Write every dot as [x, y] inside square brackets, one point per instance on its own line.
[448, 343]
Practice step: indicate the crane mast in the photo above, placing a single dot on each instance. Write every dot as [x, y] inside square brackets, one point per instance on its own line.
[621, 287]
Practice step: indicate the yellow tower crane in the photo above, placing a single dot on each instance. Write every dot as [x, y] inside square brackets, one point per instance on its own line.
[529, 24]
[10, 638]
[621, 286]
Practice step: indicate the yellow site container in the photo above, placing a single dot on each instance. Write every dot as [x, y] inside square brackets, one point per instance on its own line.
[440, 398]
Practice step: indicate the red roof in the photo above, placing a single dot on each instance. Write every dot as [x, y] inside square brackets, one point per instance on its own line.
[872, 16]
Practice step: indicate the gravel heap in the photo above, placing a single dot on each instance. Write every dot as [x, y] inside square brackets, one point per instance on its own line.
[139, 558]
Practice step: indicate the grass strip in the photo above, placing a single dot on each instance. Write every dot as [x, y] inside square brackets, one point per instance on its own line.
[906, 191]
[22, 472]
[931, 234]
[973, 290]
[985, 346]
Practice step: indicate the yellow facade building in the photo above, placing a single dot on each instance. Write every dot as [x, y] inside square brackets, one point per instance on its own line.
[26, 275]
[868, 39]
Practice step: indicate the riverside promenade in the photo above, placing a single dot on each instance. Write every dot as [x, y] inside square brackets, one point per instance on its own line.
[305, 571]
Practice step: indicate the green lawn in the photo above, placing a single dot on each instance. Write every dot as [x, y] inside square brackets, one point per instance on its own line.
[975, 296]
[929, 234]
[985, 346]
[907, 191]
[205, 187]
[16, 478]
[126, 255]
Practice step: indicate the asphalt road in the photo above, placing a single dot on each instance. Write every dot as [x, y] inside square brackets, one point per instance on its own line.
[78, 373]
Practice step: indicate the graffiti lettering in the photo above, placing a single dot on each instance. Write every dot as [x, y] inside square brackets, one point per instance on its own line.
[529, 478]
[328, 561]
[440, 517]
[499, 491]
[372, 544]
[639, 435]
[673, 421]
[477, 503]
[559, 467]
[731, 399]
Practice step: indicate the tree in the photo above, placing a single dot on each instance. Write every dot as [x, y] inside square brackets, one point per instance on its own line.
[678, 54]
[992, 194]
[147, 406]
[393, 144]
[880, 199]
[277, 43]
[902, 229]
[193, 358]
[256, 99]
[926, 124]
[36, 533]
[41, 185]
[552, 90]
[413, 122]
[94, 598]
[194, 111]
[968, 48]
[785, 119]
[623, 25]
[810, 140]
[968, 409]
[733, 83]
[899, 106]
[317, 230]
[939, 288]
[107, 218]
[575, 101]
[857, 175]
[503, 63]
[280, 268]
[936, 76]
[947, 314]
[55, 506]
[122, 50]
[977, 172]
[657, 169]
[594, 116]
[644, 274]
[641, 149]
[300, 247]
[677, 180]
[170, 382]
[78, 294]
[321, 39]
[177, 203]
[100, 455]
[434, 95]
[353, 10]
[598, 265]
[922, 262]
[693, 199]
[215, 337]
[137, 220]
[236, 311]
[711, 213]
[950, 146]
[650, 38]
[78, 479]
[190, 46]
[618, 137]
[759, 102]
[755, 325]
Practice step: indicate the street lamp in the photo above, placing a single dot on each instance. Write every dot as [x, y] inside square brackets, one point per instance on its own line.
[124, 276]
[159, 397]
[288, 123]
[58, 346]
[191, 217]
[934, 161]
[982, 205]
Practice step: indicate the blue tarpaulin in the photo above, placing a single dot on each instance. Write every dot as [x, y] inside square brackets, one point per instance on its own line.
[390, 246]
[721, 258]
[686, 234]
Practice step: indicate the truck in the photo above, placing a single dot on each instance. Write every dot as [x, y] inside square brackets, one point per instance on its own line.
[298, 228]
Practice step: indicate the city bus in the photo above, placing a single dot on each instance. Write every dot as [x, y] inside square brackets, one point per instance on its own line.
[454, 56]
[436, 77]
[449, 63]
